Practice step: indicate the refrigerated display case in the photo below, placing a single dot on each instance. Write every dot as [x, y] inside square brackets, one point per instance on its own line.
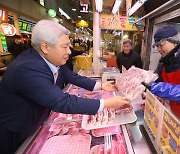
[134, 138]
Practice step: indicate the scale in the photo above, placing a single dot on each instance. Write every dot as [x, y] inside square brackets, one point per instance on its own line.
[110, 74]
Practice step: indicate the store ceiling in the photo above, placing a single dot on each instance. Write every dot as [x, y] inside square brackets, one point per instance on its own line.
[68, 5]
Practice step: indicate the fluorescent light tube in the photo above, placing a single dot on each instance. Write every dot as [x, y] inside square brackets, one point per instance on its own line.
[99, 5]
[64, 13]
[136, 6]
[116, 6]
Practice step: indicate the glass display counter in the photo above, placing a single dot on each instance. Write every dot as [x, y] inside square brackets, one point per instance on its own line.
[133, 136]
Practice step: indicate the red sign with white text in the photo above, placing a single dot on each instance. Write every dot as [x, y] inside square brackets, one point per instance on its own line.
[7, 29]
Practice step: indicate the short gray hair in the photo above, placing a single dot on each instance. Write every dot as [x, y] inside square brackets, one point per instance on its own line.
[47, 30]
[127, 41]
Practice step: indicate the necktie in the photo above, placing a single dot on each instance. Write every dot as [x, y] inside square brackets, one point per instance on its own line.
[55, 77]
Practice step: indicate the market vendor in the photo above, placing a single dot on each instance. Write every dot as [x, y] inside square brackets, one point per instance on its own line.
[30, 87]
[167, 41]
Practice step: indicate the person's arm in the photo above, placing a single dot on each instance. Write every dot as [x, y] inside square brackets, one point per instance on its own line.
[90, 84]
[38, 87]
[84, 82]
[166, 90]
[76, 79]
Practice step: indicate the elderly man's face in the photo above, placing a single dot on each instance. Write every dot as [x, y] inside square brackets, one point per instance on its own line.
[127, 48]
[58, 54]
[165, 47]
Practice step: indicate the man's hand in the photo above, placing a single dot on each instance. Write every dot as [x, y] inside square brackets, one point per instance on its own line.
[108, 86]
[115, 102]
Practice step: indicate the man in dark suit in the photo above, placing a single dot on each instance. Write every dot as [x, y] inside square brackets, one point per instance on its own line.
[30, 87]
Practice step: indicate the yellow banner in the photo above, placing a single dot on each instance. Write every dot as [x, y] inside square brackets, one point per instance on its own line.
[121, 22]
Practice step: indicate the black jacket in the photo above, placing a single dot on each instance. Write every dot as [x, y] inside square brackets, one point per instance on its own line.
[128, 60]
[16, 49]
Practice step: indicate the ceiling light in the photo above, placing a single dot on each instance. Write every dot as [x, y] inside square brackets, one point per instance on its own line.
[64, 13]
[99, 4]
[116, 6]
[74, 9]
[136, 6]
[60, 20]
[79, 17]
[125, 36]
[89, 29]
[51, 13]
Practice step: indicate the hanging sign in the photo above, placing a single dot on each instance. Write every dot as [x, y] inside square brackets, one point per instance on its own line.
[3, 15]
[25, 26]
[120, 22]
[3, 41]
[84, 8]
[7, 29]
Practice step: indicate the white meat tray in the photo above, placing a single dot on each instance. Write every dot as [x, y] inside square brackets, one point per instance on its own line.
[120, 119]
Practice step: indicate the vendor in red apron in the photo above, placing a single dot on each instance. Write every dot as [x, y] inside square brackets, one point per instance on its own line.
[167, 41]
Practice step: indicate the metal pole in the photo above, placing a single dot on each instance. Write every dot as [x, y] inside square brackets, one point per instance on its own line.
[122, 33]
[96, 40]
[157, 9]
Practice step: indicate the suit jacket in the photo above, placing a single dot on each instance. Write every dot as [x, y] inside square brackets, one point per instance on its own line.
[28, 93]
